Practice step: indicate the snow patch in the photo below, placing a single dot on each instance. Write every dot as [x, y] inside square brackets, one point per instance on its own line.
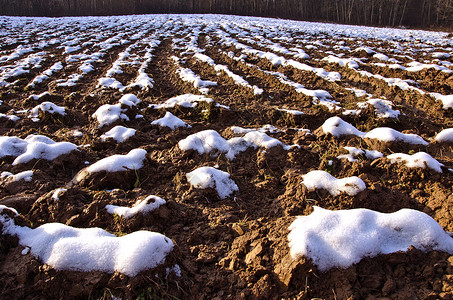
[34, 146]
[85, 249]
[342, 238]
[129, 100]
[119, 134]
[47, 107]
[25, 176]
[337, 127]
[386, 134]
[383, 108]
[186, 100]
[107, 114]
[57, 193]
[143, 206]
[447, 100]
[323, 180]
[418, 160]
[355, 152]
[208, 177]
[210, 141]
[117, 163]
[170, 121]
[445, 136]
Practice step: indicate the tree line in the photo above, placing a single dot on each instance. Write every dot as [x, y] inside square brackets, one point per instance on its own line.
[414, 13]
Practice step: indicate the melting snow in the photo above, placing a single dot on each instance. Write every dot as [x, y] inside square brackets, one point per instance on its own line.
[337, 127]
[34, 146]
[57, 193]
[417, 160]
[171, 121]
[342, 238]
[355, 152]
[25, 175]
[383, 108]
[389, 135]
[129, 100]
[107, 114]
[47, 107]
[90, 249]
[323, 180]
[208, 177]
[445, 136]
[119, 134]
[208, 141]
[143, 206]
[117, 163]
[447, 100]
[186, 100]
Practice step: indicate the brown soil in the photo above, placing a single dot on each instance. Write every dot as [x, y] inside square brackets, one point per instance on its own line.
[234, 248]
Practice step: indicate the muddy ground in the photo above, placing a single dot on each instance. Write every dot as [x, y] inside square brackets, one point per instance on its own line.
[234, 248]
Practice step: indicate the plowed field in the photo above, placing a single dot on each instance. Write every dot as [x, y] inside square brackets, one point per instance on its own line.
[269, 100]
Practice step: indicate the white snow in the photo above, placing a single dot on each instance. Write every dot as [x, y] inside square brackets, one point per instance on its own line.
[170, 121]
[86, 68]
[383, 108]
[291, 111]
[342, 62]
[260, 139]
[189, 76]
[186, 100]
[265, 128]
[117, 163]
[368, 50]
[208, 177]
[39, 150]
[77, 133]
[129, 100]
[330, 76]
[210, 141]
[71, 81]
[441, 55]
[337, 127]
[204, 142]
[418, 160]
[37, 97]
[344, 237]
[47, 107]
[445, 136]
[90, 249]
[57, 193]
[417, 67]
[381, 56]
[34, 146]
[119, 134]
[447, 100]
[388, 135]
[143, 81]
[355, 152]
[322, 180]
[10, 117]
[25, 175]
[143, 206]
[107, 114]
[112, 83]
[239, 80]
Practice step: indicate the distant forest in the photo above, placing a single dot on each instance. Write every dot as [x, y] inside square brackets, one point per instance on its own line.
[412, 13]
